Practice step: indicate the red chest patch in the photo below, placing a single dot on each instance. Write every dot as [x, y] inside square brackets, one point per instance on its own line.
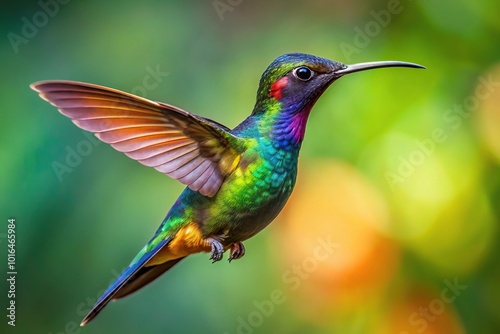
[277, 87]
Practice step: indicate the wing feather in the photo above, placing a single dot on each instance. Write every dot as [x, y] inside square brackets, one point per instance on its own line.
[194, 150]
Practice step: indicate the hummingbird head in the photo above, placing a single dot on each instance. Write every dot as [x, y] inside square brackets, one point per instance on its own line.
[292, 84]
[297, 80]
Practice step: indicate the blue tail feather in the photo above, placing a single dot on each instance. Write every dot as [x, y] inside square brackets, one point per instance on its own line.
[122, 280]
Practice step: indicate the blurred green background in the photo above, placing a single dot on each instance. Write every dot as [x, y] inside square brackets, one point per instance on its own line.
[393, 226]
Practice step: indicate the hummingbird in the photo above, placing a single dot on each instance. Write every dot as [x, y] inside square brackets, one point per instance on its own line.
[238, 180]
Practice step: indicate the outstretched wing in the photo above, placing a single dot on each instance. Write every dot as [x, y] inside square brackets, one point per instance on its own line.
[194, 150]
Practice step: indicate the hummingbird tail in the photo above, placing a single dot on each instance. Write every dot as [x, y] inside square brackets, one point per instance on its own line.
[145, 276]
[132, 279]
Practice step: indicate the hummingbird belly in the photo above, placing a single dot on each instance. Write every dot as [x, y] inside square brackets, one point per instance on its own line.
[249, 200]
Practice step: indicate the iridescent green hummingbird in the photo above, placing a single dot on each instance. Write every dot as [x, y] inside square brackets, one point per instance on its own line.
[237, 180]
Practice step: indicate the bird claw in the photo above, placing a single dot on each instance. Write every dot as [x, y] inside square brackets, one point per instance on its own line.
[217, 251]
[237, 251]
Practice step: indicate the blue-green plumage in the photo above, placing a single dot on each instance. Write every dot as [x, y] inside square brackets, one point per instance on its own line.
[238, 180]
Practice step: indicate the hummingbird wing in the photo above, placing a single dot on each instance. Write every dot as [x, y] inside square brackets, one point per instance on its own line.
[194, 150]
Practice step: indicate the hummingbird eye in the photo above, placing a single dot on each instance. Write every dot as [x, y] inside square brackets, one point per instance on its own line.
[303, 73]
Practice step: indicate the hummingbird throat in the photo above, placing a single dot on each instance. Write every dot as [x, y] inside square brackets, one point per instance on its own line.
[298, 124]
[290, 124]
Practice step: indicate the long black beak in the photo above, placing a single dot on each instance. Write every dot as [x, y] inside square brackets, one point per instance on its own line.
[374, 64]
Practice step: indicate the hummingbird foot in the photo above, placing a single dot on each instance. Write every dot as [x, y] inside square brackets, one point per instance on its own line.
[237, 251]
[217, 250]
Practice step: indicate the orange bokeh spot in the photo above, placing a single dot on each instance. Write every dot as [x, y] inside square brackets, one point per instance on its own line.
[335, 257]
[424, 311]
